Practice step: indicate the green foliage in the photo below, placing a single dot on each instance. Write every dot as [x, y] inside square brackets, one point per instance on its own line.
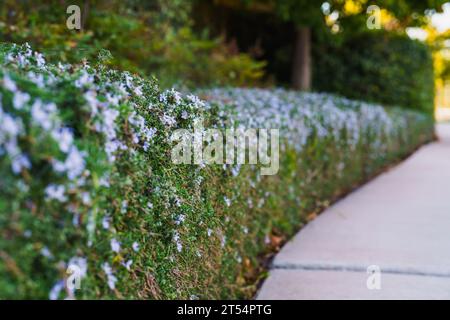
[411, 12]
[445, 74]
[87, 179]
[146, 37]
[385, 68]
[309, 12]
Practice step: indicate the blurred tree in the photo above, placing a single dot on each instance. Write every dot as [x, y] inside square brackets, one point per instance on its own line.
[158, 37]
[439, 42]
[309, 14]
[147, 37]
[347, 16]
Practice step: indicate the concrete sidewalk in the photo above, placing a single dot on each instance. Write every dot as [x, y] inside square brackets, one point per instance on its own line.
[399, 222]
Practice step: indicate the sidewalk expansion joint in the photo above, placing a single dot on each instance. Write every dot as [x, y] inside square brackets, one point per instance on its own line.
[360, 268]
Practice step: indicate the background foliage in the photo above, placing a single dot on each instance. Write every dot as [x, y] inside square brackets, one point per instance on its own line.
[147, 37]
[386, 68]
[348, 58]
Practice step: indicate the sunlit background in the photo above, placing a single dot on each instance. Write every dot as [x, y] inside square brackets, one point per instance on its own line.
[439, 27]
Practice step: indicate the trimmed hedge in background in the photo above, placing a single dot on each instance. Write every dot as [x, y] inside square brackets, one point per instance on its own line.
[87, 180]
[379, 67]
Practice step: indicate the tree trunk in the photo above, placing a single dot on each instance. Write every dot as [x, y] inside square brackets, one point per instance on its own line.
[85, 15]
[301, 69]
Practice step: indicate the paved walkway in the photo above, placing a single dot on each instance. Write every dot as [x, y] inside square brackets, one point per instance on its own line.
[399, 222]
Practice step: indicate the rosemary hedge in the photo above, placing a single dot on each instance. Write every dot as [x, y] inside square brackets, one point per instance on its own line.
[86, 179]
